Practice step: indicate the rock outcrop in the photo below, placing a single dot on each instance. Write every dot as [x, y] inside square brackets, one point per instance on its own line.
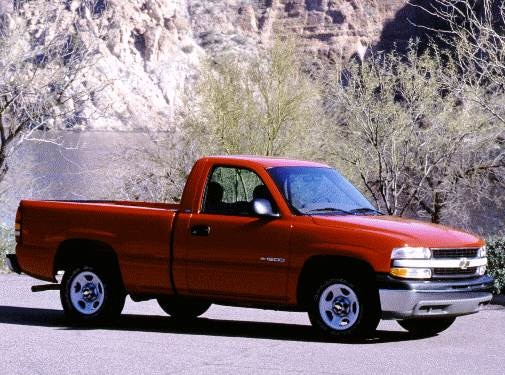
[152, 48]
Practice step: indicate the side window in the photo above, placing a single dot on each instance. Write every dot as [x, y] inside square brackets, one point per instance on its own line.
[230, 191]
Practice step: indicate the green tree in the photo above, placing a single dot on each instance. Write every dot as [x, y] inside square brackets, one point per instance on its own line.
[261, 105]
[407, 137]
[264, 105]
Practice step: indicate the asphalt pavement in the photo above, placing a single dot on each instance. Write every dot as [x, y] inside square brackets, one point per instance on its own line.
[35, 339]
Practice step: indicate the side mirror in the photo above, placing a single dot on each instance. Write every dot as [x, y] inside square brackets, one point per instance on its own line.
[263, 207]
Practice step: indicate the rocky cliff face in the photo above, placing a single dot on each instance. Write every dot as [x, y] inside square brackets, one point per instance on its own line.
[336, 29]
[152, 48]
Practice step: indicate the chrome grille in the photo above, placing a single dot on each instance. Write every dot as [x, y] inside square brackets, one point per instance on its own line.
[454, 253]
[445, 273]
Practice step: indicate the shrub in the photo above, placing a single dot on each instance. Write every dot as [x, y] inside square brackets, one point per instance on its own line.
[6, 244]
[496, 262]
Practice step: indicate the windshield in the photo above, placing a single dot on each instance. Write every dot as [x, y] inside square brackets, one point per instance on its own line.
[319, 190]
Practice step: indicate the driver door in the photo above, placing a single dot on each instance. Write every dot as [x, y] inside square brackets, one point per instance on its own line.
[232, 252]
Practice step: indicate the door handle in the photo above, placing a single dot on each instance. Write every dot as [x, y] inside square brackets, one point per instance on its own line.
[200, 230]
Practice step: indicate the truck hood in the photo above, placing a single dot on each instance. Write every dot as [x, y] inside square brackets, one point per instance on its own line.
[407, 232]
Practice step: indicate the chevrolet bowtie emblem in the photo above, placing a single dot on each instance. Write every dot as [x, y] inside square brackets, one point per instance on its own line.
[464, 263]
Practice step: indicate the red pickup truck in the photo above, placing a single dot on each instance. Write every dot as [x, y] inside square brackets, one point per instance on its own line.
[259, 232]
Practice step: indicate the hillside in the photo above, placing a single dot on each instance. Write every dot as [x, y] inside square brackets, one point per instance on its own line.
[152, 48]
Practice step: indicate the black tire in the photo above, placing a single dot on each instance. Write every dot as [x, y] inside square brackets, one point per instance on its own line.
[354, 310]
[183, 308]
[91, 295]
[426, 327]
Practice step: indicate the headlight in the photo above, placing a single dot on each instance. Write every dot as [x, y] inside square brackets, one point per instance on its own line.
[408, 252]
[482, 252]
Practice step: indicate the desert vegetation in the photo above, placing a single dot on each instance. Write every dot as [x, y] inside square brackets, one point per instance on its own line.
[410, 138]
[43, 74]
[406, 128]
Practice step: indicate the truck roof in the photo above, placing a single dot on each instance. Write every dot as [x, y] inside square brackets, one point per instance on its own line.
[262, 161]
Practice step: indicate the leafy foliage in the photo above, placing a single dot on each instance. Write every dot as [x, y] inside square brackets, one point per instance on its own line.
[263, 105]
[496, 262]
[6, 244]
[259, 105]
[403, 131]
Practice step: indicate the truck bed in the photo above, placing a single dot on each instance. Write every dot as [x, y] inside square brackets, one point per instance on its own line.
[163, 206]
[139, 232]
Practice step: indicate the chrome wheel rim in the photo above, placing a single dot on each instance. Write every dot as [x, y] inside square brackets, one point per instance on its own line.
[86, 292]
[339, 307]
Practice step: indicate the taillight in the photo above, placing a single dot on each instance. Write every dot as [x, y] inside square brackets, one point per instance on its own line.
[17, 225]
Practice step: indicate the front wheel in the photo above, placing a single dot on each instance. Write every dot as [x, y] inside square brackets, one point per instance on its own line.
[89, 295]
[183, 308]
[426, 327]
[341, 308]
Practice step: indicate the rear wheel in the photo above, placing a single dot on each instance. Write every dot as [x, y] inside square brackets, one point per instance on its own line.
[426, 327]
[183, 308]
[341, 308]
[89, 295]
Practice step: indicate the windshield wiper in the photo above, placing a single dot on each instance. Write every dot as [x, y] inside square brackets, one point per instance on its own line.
[330, 209]
[363, 210]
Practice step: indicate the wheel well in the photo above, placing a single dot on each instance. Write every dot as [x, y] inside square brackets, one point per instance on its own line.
[318, 268]
[82, 251]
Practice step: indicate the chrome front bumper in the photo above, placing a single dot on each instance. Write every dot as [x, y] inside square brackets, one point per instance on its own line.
[401, 304]
[413, 299]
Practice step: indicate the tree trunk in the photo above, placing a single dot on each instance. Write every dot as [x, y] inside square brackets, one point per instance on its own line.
[436, 214]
